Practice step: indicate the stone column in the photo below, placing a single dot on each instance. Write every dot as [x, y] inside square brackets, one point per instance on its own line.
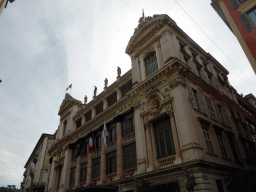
[142, 68]
[119, 148]
[48, 177]
[119, 94]
[105, 103]
[65, 167]
[103, 162]
[78, 170]
[68, 169]
[151, 165]
[158, 56]
[141, 152]
[89, 169]
[93, 112]
[54, 177]
[175, 135]
[83, 119]
[186, 124]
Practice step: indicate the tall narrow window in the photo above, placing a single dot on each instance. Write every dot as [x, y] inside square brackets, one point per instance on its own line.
[219, 185]
[97, 138]
[72, 176]
[221, 144]
[96, 168]
[65, 127]
[151, 64]
[207, 139]
[58, 177]
[83, 173]
[129, 155]
[112, 132]
[164, 139]
[86, 146]
[233, 147]
[111, 162]
[128, 123]
[209, 104]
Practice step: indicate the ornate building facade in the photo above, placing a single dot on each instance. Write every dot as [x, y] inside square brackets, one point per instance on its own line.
[3, 4]
[171, 119]
[36, 168]
[240, 17]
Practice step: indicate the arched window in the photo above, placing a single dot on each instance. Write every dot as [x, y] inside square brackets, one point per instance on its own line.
[65, 127]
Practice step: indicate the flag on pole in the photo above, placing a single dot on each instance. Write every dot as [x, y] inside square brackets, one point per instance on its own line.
[91, 143]
[70, 86]
[105, 134]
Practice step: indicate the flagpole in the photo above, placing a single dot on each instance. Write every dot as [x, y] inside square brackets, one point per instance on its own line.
[70, 90]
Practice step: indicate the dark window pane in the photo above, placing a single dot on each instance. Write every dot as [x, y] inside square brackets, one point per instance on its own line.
[129, 155]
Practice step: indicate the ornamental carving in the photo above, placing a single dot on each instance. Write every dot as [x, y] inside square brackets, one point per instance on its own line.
[177, 81]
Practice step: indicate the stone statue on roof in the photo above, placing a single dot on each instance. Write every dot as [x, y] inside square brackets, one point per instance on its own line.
[118, 71]
[85, 99]
[95, 91]
[106, 82]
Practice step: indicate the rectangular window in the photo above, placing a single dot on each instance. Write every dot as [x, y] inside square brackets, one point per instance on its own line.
[194, 56]
[181, 46]
[74, 153]
[207, 139]
[50, 144]
[249, 19]
[221, 144]
[78, 123]
[197, 100]
[164, 139]
[112, 132]
[209, 105]
[96, 168]
[83, 173]
[128, 123]
[111, 162]
[97, 138]
[151, 64]
[65, 127]
[72, 176]
[236, 3]
[233, 147]
[129, 155]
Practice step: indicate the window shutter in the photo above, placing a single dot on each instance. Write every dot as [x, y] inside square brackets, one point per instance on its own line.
[246, 22]
[215, 82]
[234, 3]
[182, 58]
[192, 98]
[193, 67]
[203, 108]
[219, 113]
[225, 117]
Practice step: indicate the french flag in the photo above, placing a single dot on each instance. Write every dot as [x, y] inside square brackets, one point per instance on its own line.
[91, 143]
[70, 86]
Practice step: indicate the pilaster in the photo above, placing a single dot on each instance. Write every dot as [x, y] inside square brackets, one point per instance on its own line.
[119, 151]
[103, 163]
[151, 165]
[78, 170]
[89, 169]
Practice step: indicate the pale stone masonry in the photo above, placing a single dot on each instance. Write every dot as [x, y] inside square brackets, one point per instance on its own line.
[174, 108]
[36, 168]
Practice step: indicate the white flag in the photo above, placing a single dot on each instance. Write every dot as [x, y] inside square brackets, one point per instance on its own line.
[105, 134]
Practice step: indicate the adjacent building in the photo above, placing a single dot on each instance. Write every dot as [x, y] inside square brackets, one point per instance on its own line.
[240, 17]
[36, 168]
[175, 110]
[3, 4]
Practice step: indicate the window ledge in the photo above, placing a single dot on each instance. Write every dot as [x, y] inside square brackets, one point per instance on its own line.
[210, 153]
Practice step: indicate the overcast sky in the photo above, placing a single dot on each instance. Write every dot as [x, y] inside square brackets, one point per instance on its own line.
[47, 45]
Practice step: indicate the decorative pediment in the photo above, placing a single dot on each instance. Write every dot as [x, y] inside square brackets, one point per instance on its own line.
[147, 28]
[67, 103]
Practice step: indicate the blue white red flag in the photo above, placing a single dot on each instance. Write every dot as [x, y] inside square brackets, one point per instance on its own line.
[70, 86]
